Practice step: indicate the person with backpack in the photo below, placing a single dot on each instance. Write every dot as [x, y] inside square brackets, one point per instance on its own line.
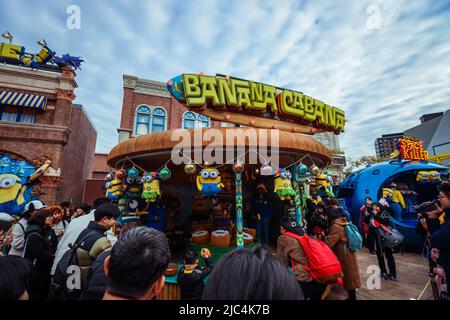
[380, 218]
[90, 244]
[93, 241]
[19, 228]
[96, 282]
[338, 240]
[74, 229]
[38, 250]
[290, 252]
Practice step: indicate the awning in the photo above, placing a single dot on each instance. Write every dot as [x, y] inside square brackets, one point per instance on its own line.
[23, 99]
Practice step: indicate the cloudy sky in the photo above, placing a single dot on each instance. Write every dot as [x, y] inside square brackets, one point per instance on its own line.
[384, 62]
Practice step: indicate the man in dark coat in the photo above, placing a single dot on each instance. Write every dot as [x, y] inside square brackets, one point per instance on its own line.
[440, 239]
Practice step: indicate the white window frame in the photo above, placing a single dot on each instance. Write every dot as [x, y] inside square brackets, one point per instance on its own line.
[150, 124]
[197, 121]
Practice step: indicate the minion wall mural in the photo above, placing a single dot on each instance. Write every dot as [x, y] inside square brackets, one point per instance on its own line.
[15, 184]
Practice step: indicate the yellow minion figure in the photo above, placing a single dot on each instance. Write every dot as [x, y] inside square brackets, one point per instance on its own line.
[209, 182]
[11, 193]
[114, 187]
[423, 177]
[435, 177]
[150, 189]
[283, 185]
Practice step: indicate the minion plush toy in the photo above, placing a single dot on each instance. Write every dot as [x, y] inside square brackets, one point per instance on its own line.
[283, 185]
[131, 202]
[114, 187]
[209, 182]
[435, 177]
[423, 177]
[150, 190]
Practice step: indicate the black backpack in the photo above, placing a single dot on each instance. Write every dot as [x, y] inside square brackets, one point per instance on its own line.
[58, 286]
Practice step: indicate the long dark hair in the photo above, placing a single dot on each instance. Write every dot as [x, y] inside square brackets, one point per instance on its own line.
[246, 274]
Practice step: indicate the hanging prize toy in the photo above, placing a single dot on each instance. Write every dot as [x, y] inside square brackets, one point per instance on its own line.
[266, 170]
[151, 190]
[131, 202]
[190, 169]
[165, 174]
[114, 187]
[209, 182]
[283, 185]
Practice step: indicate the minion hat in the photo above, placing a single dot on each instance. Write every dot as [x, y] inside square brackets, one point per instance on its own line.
[261, 186]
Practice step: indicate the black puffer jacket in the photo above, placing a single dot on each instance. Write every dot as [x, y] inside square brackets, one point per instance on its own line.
[97, 279]
[39, 251]
[191, 282]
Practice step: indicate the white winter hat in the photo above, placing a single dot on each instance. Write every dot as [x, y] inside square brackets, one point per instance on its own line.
[37, 205]
[5, 217]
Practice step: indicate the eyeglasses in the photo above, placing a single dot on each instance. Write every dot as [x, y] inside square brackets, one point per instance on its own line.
[441, 196]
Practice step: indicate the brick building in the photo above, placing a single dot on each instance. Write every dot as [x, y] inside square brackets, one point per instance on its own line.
[39, 120]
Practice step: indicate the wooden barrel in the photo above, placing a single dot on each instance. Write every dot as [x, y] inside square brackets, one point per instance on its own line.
[200, 237]
[251, 232]
[220, 238]
[248, 239]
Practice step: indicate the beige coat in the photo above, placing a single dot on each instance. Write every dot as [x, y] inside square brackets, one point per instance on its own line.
[289, 249]
[338, 242]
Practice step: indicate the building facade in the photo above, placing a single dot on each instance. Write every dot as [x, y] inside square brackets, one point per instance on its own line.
[434, 131]
[39, 121]
[387, 144]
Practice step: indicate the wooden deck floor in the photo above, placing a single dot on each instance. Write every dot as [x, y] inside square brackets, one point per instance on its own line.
[412, 277]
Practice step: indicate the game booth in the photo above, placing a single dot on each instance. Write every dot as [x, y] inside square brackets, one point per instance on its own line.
[163, 180]
[404, 182]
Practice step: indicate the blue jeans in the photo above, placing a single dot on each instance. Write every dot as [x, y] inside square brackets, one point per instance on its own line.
[262, 230]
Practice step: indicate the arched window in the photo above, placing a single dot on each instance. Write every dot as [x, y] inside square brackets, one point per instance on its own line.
[159, 120]
[194, 120]
[142, 120]
[150, 119]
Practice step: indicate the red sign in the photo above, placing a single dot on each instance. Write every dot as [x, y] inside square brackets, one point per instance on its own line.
[412, 149]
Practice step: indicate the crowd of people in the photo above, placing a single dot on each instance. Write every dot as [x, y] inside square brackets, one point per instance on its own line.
[55, 253]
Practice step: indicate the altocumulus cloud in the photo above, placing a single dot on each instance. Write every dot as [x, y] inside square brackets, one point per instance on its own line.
[383, 78]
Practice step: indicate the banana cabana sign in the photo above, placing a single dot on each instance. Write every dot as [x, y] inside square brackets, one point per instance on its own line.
[229, 99]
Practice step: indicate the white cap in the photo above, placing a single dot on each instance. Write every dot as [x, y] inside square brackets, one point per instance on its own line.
[37, 205]
[5, 217]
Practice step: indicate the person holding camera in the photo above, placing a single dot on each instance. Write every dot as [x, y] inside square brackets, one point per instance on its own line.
[440, 239]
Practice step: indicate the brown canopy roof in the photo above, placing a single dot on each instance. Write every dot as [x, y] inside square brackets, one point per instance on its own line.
[153, 150]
